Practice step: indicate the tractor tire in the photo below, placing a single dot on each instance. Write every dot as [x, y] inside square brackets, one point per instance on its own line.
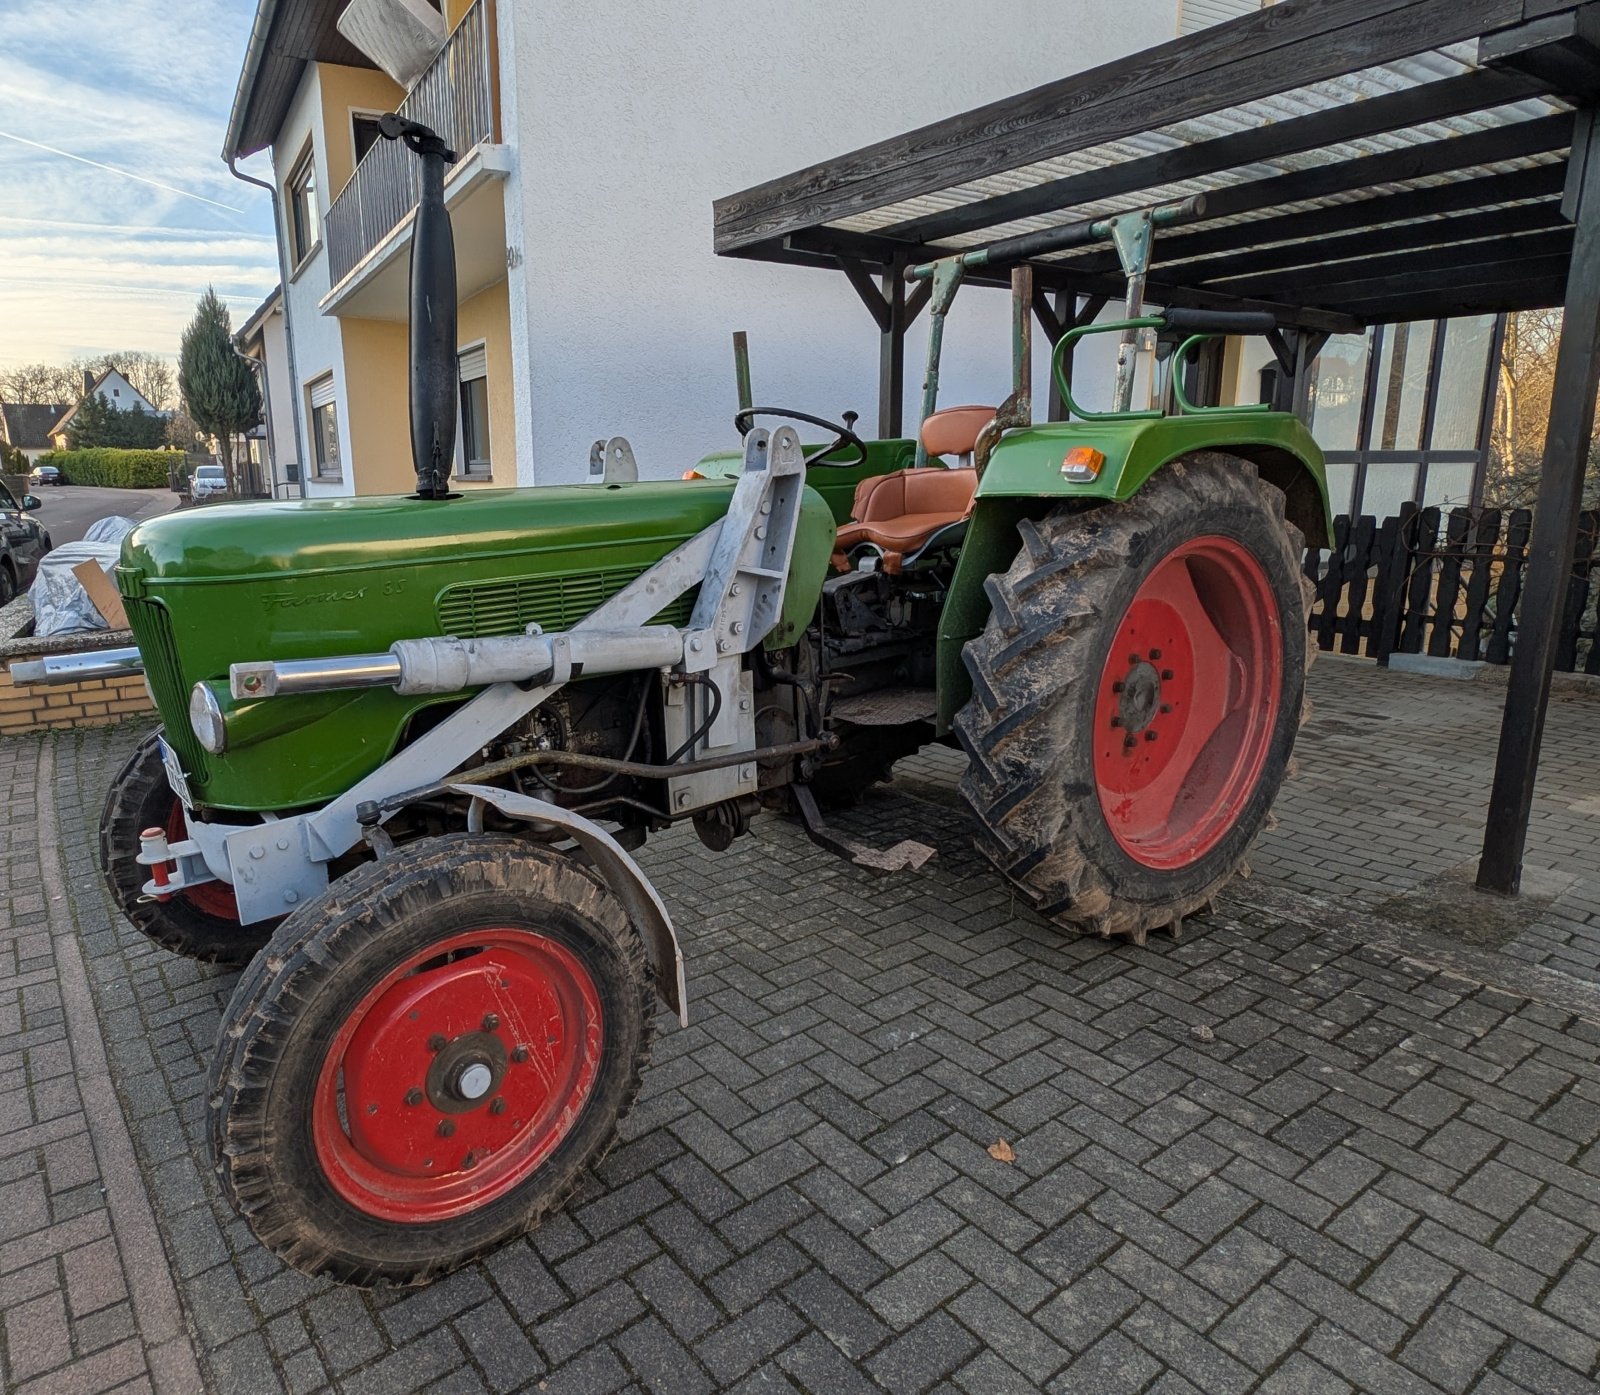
[360, 1092]
[201, 923]
[1136, 696]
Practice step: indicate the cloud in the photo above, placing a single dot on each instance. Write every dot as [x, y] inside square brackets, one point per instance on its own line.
[119, 211]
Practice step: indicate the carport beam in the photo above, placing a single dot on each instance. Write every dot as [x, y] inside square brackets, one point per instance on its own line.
[1555, 526]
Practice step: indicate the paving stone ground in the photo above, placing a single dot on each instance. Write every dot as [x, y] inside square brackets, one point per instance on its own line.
[1269, 1158]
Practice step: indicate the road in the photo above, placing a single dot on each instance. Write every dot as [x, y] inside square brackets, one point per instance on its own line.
[69, 509]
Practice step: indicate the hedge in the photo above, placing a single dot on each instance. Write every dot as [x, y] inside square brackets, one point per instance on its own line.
[112, 468]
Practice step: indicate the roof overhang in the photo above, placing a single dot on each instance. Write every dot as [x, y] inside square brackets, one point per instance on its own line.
[287, 35]
[1361, 161]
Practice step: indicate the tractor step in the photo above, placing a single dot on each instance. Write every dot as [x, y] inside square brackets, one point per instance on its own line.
[905, 856]
[887, 707]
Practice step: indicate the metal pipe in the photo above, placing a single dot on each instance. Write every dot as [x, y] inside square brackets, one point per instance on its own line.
[288, 321]
[741, 369]
[643, 770]
[270, 679]
[1059, 239]
[76, 668]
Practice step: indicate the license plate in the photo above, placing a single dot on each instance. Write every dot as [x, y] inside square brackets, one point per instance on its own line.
[175, 776]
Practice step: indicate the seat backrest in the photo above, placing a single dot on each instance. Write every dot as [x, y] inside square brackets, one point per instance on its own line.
[929, 490]
[954, 430]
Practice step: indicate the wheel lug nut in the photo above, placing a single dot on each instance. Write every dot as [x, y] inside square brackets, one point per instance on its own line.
[446, 1128]
[1167, 675]
[1149, 735]
[1135, 659]
[470, 1161]
[437, 1042]
[1117, 686]
[490, 1022]
[1116, 721]
[498, 1107]
[413, 1096]
[1128, 743]
[1154, 655]
[520, 1055]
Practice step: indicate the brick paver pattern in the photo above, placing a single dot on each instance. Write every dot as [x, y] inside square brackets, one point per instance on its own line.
[1261, 1159]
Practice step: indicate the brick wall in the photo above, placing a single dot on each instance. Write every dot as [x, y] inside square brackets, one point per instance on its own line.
[91, 703]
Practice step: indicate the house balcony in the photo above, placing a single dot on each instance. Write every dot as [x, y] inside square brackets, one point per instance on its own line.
[368, 227]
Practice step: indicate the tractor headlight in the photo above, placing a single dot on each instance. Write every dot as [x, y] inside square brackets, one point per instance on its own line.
[205, 719]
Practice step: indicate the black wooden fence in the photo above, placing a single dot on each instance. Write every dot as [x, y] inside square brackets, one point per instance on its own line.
[1446, 584]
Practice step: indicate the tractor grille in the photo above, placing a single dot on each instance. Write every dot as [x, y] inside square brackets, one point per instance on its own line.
[507, 607]
[152, 627]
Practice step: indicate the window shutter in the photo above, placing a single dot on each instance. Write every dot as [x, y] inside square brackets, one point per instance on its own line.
[474, 363]
[1194, 15]
[322, 393]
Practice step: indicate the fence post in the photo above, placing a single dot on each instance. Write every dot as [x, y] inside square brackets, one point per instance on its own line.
[1388, 602]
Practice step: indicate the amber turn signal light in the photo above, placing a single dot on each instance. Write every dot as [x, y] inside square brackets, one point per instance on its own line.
[1082, 464]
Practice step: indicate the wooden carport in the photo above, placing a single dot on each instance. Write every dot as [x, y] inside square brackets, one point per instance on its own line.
[1362, 161]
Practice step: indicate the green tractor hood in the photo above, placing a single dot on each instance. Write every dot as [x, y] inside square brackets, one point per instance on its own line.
[209, 587]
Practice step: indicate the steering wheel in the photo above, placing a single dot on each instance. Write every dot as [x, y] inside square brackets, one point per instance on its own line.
[843, 435]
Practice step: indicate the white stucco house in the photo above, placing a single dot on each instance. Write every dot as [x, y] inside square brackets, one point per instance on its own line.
[114, 389]
[592, 141]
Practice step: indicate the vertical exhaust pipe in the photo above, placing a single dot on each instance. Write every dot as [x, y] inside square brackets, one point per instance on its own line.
[433, 312]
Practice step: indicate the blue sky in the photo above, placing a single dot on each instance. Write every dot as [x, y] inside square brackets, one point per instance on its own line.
[114, 254]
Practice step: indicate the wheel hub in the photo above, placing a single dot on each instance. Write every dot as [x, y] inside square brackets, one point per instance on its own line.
[458, 1074]
[1140, 697]
[465, 1072]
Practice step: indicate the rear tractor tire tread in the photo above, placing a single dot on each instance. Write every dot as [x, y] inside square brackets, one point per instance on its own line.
[1026, 781]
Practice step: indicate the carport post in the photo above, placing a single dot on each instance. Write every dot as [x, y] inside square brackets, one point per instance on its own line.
[1555, 525]
[892, 358]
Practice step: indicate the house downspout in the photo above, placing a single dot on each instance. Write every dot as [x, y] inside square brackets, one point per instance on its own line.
[288, 320]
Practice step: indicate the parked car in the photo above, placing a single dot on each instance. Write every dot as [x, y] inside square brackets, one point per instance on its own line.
[22, 543]
[45, 474]
[209, 482]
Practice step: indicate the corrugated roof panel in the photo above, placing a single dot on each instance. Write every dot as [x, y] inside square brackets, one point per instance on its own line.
[1316, 97]
[1195, 15]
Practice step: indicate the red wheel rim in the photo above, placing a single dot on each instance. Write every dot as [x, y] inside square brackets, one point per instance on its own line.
[1188, 702]
[214, 898]
[457, 1075]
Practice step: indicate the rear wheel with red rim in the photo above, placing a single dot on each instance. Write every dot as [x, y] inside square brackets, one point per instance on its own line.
[425, 1059]
[1136, 696]
[201, 923]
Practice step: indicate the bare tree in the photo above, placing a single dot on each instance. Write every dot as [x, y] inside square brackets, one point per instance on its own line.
[40, 382]
[1522, 411]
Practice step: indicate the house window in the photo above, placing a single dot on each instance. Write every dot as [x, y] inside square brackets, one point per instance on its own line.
[364, 135]
[304, 223]
[324, 428]
[475, 414]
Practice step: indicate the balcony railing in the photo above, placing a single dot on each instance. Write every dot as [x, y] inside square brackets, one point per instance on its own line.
[455, 96]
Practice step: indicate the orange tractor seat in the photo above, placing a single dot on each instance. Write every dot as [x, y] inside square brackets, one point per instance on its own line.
[899, 512]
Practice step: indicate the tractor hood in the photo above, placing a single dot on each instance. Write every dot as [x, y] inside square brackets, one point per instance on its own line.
[287, 539]
[209, 587]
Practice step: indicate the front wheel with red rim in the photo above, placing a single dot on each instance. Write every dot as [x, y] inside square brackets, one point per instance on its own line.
[425, 1059]
[1136, 696]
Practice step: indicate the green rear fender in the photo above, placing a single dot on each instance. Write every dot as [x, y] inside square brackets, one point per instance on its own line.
[1024, 480]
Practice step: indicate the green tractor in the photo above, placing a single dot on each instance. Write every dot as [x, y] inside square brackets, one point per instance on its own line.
[410, 742]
